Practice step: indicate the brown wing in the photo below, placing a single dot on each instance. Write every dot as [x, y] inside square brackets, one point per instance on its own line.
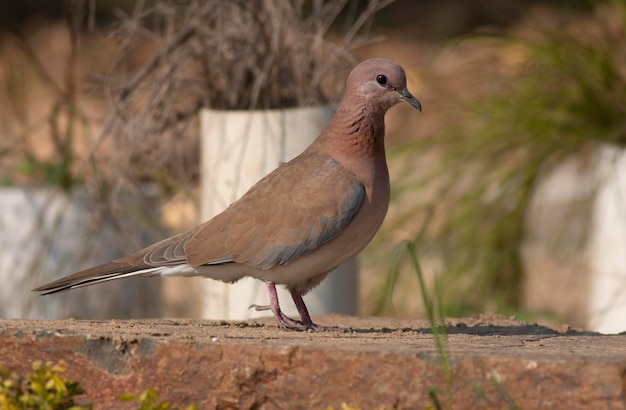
[292, 211]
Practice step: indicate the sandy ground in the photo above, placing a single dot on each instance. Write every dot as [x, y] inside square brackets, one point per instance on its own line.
[492, 334]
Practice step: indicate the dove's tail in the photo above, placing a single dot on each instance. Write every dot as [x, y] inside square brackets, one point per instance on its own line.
[97, 274]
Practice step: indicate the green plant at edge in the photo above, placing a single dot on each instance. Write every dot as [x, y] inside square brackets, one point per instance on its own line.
[149, 400]
[43, 389]
[434, 309]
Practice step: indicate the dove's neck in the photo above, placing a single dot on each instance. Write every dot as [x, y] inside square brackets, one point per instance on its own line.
[356, 132]
[355, 139]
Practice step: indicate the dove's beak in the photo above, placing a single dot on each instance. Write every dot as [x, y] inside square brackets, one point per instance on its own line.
[408, 97]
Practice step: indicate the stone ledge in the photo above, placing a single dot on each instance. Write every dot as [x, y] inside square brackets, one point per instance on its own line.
[382, 363]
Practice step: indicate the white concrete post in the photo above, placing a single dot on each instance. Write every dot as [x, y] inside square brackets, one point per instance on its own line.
[608, 243]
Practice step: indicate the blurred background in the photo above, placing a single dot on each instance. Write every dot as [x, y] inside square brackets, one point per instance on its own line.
[510, 184]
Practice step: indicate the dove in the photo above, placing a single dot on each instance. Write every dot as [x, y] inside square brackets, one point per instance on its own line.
[300, 221]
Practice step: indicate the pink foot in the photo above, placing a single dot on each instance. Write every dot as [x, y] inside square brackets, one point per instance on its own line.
[284, 321]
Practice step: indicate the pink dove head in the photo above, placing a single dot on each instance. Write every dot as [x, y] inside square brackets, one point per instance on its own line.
[380, 82]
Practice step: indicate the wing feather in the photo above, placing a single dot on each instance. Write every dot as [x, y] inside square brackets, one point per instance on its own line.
[295, 209]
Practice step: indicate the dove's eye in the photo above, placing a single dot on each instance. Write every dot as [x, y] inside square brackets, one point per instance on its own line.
[381, 79]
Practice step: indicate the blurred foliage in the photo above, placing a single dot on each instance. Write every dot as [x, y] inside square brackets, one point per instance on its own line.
[45, 389]
[42, 389]
[149, 400]
[564, 95]
[29, 156]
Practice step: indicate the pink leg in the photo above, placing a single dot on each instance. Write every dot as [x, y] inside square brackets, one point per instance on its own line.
[304, 312]
[283, 320]
[306, 318]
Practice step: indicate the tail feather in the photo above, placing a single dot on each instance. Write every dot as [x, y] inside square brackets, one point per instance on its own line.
[97, 274]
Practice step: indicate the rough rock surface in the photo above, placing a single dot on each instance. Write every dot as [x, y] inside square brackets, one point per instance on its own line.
[495, 362]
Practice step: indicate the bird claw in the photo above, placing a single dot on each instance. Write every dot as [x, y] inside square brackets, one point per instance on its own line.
[284, 321]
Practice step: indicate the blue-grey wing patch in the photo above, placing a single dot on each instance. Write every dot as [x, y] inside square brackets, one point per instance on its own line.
[326, 228]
